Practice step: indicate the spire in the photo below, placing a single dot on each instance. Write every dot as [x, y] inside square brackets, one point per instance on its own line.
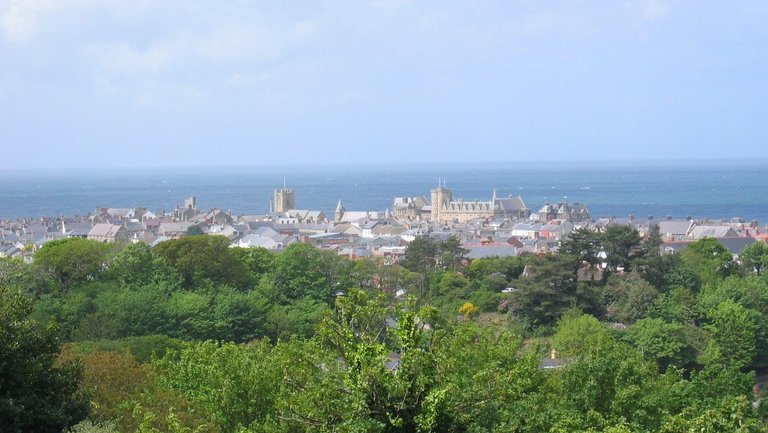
[340, 206]
[493, 198]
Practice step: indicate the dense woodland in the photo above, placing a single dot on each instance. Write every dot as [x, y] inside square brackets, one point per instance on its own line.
[194, 336]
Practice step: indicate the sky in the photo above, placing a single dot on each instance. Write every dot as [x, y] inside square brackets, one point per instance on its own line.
[142, 83]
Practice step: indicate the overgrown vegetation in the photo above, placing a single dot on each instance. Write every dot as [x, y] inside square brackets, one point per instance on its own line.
[193, 336]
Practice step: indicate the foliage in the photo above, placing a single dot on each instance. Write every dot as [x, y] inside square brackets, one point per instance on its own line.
[235, 384]
[108, 378]
[204, 257]
[618, 242]
[139, 265]
[300, 272]
[297, 319]
[71, 261]
[754, 258]
[195, 230]
[15, 273]
[652, 241]
[709, 260]
[277, 358]
[141, 348]
[450, 254]
[509, 267]
[660, 341]
[548, 290]
[583, 243]
[629, 297]
[35, 394]
[576, 333]
[733, 334]
[258, 260]
[468, 310]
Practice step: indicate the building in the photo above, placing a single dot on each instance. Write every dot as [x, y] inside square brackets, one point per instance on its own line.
[105, 232]
[446, 210]
[409, 207]
[284, 200]
[573, 212]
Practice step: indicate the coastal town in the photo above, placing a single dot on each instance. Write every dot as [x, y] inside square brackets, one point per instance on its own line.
[497, 227]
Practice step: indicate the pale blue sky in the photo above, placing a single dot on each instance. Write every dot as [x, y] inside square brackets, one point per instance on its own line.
[87, 83]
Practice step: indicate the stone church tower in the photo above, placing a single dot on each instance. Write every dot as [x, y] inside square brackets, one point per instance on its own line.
[440, 197]
[285, 200]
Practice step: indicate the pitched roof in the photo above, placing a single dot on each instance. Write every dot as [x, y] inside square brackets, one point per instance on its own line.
[104, 230]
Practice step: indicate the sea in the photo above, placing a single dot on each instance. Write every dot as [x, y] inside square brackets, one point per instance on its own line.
[700, 189]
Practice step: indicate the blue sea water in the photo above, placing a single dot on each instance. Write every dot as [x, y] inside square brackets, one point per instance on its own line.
[717, 190]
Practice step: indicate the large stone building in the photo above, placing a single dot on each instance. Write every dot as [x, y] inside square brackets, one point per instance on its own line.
[445, 209]
[573, 212]
[285, 200]
[409, 207]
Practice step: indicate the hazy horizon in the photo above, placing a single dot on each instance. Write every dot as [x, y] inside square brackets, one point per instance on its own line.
[443, 167]
[144, 84]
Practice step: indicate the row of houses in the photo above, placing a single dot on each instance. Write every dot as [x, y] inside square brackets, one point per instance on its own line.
[504, 227]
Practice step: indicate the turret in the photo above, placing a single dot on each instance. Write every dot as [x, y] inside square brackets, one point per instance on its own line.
[339, 213]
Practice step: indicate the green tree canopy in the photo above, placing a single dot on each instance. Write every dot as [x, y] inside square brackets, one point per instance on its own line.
[619, 242]
[139, 265]
[754, 258]
[733, 334]
[198, 258]
[300, 272]
[660, 341]
[71, 261]
[548, 289]
[709, 259]
[35, 395]
[582, 243]
[577, 333]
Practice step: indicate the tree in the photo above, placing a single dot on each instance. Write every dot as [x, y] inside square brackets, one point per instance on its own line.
[195, 230]
[295, 320]
[235, 384]
[653, 241]
[14, 272]
[576, 333]
[300, 272]
[259, 260]
[68, 262]
[468, 310]
[420, 257]
[630, 297]
[108, 378]
[733, 334]
[582, 243]
[549, 289]
[754, 258]
[35, 394]
[198, 258]
[139, 265]
[509, 267]
[660, 341]
[709, 259]
[618, 242]
[450, 253]
[678, 305]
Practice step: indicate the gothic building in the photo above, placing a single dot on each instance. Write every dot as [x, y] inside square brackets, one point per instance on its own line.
[445, 209]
